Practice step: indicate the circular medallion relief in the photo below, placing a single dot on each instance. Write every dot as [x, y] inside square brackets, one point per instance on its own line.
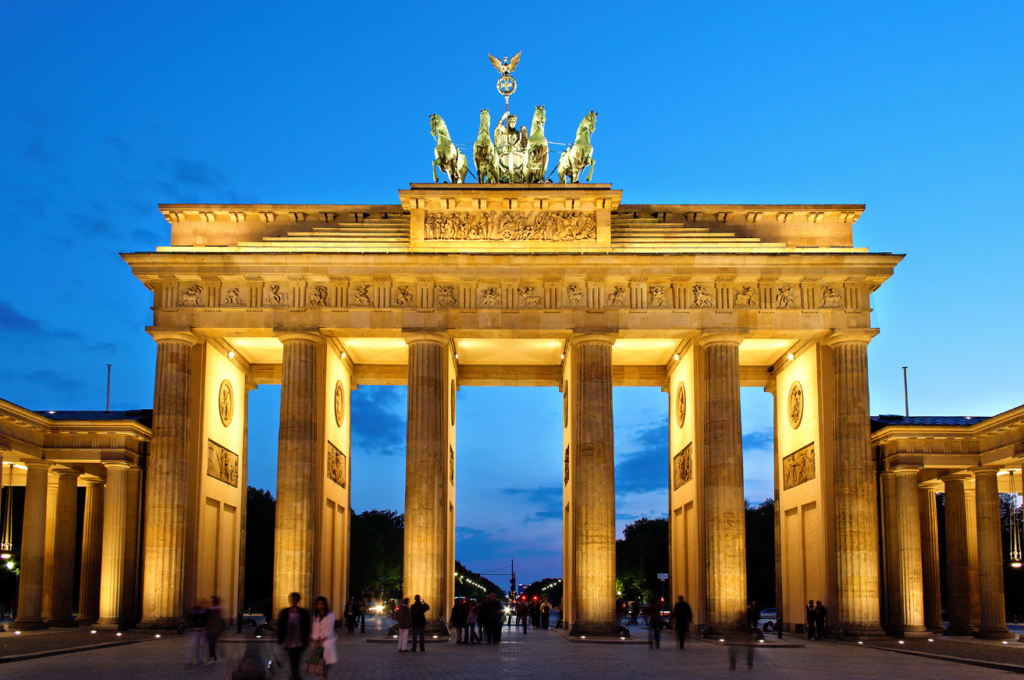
[565, 404]
[680, 405]
[226, 402]
[452, 411]
[796, 404]
[339, 403]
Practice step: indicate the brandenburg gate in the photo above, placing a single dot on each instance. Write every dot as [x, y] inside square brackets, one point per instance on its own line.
[558, 285]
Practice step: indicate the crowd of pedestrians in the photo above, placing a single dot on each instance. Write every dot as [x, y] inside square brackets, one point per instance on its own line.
[817, 615]
[478, 622]
[203, 626]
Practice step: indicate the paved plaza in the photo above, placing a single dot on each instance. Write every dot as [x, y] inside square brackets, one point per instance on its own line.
[540, 654]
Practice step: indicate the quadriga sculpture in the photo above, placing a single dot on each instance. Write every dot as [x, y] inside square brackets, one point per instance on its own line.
[580, 154]
[446, 156]
[537, 149]
[484, 157]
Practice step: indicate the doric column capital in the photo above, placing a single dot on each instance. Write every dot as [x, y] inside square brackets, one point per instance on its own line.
[719, 339]
[36, 464]
[308, 336]
[172, 336]
[933, 485]
[438, 338]
[67, 472]
[958, 477]
[984, 470]
[116, 464]
[860, 336]
[592, 339]
[905, 470]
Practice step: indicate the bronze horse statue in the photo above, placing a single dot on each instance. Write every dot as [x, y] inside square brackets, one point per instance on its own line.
[537, 149]
[446, 156]
[484, 156]
[581, 154]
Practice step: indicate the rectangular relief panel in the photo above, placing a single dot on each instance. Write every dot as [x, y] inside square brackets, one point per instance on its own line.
[798, 468]
[682, 467]
[221, 464]
[337, 465]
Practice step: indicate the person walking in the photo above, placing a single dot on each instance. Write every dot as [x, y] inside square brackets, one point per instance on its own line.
[323, 633]
[351, 617]
[820, 614]
[753, 615]
[523, 616]
[214, 627]
[419, 611]
[472, 618]
[457, 619]
[810, 619]
[293, 629]
[195, 627]
[545, 613]
[634, 610]
[403, 616]
[535, 613]
[653, 612]
[682, 614]
[493, 619]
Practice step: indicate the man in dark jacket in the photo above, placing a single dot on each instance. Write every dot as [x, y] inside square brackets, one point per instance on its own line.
[419, 610]
[293, 628]
[753, 615]
[682, 614]
[820, 614]
[458, 618]
[654, 616]
[494, 616]
[810, 619]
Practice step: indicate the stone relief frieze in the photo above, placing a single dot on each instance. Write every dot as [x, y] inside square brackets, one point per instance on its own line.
[798, 467]
[785, 298]
[657, 296]
[682, 467]
[226, 402]
[404, 297]
[275, 296]
[336, 464]
[702, 297]
[451, 464]
[680, 405]
[489, 297]
[576, 294]
[234, 298]
[444, 296]
[565, 476]
[221, 463]
[509, 226]
[529, 299]
[191, 297]
[795, 404]
[619, 297]
[831, 297]
[319, 297]
[745, 297]
[361, 296]
[339, 403]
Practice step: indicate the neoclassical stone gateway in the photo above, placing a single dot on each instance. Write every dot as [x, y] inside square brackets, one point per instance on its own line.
[516, 285]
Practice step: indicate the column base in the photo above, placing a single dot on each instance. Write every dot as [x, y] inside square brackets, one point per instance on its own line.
[959, 632]
[859, 632]
[61, 623]
[32, 624]
[995, 633]
[936, 630]
[168, 623]
[83, 621]
[595, 629]
[915, 632]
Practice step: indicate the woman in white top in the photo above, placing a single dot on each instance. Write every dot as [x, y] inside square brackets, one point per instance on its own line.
[323, 634]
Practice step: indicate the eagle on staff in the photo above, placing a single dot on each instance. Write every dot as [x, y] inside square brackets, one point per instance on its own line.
[505, 68]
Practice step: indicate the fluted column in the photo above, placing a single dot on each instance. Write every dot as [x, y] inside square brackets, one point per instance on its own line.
[92, 554]
[115, 547]
[907, 522]
[971, 510]
[855, 491]
[723, 483]
[167, 483]
[129, 604]
[62, 575]
[990, 557]
[930, 559]
[297, 469]
[594, 488]
[51, 538]
[33, 546]
[426, 452]
[957, 561]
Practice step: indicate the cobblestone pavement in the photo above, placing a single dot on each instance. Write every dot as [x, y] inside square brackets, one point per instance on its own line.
[539, 654]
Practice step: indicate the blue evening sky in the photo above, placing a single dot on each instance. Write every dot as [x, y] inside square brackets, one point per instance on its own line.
[912, 108]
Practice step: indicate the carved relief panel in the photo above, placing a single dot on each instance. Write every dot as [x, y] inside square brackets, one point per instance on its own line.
[565, 477]
[509, 226]
[795, 404]
[682, 467]
[226, 403]
[336, 465]
[798, 467]
[221, 464]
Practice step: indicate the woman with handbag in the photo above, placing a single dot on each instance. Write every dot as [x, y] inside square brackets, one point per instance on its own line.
[322, 652]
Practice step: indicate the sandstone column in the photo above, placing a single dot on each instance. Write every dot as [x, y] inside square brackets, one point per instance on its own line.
[856, 494]
[990, 557]
[594, 489]
[167, 483]
[51, 538]
[115, 547]
[723, 483]
[907, 522]
[930, 559]
[33, 547]
[129, 604]
[92, 552]
[62, 584]
[297, 469]
[971, 508]
[957, 561]
[426, 452]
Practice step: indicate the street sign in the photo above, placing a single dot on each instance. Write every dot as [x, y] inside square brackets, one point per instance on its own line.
[662, 577]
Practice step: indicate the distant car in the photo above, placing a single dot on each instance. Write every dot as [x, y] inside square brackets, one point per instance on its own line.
[770, 613]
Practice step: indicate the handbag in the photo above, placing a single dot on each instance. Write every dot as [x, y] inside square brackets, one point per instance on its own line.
[315, 660]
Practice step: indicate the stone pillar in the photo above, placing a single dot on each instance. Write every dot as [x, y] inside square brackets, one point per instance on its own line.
[723, 483]
[911, 580]
[957, 560]
[129, 604]
[92, 552]
[33, 548]
[855, 490]
[594, 488]
[51, 539]
[167, 483]
[116, 556]
[930, 559]
[971, 509]
[426, 517]
[62, 575]
[297, 456]
[990, 557]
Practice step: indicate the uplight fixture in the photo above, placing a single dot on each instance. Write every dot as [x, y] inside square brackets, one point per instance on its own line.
[231, 354]
[791, 357]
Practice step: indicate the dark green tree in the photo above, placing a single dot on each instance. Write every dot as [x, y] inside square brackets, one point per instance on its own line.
[260, 516]
[375, 565]
[640, 555]
[760, 524]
